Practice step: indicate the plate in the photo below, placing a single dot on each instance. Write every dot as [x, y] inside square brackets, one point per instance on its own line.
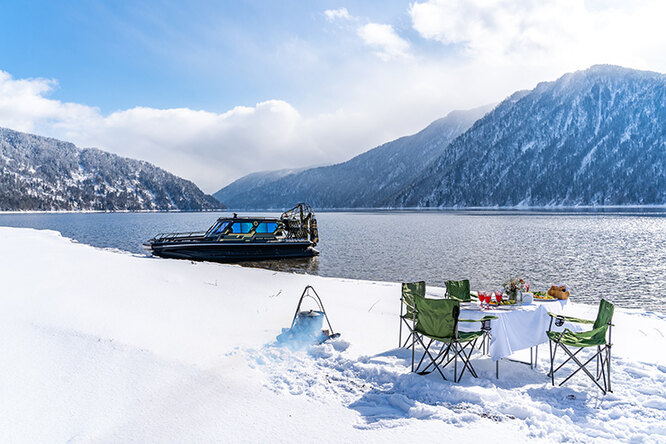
[504, 305]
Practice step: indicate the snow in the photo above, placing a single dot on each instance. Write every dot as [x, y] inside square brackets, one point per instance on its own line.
[103, 346]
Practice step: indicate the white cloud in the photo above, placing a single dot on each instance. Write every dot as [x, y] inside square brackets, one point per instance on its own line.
[337, 14]
[212, 149]
[568, 33]
[383, 38]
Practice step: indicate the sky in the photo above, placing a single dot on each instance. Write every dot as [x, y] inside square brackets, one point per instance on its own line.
[212, 91]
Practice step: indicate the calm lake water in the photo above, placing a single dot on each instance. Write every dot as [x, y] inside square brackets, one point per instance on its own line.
[619, 255]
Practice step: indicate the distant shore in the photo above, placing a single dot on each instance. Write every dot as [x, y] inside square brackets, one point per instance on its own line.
[554, 208]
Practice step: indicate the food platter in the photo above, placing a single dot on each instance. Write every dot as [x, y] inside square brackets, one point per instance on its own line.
[543, 297]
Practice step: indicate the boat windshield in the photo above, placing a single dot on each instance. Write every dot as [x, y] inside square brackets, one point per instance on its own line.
[218, 228]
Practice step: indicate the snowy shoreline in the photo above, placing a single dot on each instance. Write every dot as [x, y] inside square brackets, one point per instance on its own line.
[100, 345]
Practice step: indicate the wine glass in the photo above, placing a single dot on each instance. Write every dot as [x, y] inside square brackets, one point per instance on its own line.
[487, 296]
[481, 294]
[498, 296]
[527, 287]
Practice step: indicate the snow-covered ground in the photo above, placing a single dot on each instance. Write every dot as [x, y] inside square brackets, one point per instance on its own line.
[97, 345]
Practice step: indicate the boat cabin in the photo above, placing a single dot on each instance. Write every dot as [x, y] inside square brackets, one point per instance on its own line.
[244, 228]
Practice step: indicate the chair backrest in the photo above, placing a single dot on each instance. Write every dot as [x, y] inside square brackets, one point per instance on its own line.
[459, 290]
[412, 289]
[605, 314]
[437, 317]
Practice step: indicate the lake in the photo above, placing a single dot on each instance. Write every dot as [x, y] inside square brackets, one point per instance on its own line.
[616, 254]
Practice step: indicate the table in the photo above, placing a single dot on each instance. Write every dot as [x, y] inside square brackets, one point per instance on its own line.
[516, 328]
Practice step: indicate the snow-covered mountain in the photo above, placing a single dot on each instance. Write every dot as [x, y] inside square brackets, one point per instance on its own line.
[40, 173]
[364, 181]
[593, 137]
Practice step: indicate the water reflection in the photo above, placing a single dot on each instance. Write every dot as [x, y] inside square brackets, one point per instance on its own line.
[309, 265]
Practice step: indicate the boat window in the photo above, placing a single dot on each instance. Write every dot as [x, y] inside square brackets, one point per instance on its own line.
[266, 227]
[241, 227]
[220, 227]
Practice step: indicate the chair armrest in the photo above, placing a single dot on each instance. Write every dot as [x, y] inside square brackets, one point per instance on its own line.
[570, 319]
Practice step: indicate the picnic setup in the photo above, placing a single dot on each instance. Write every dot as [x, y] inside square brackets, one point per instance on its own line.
[457, 327]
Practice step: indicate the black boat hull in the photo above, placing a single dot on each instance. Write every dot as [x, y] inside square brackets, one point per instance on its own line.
[231, 251]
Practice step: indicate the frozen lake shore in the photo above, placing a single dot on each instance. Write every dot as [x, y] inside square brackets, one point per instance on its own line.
[99, 345]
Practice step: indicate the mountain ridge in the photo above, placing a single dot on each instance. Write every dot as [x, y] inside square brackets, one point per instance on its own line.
[594, 137]
[46, 174]
[360, 181]
[584, 139]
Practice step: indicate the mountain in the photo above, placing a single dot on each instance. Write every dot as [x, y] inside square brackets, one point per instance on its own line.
[40, 173]
[364, 181]
[593, 137]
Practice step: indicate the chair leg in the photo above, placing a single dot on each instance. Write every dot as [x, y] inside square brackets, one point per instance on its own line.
[552, 360]
[581, 366]
[400, 331]
[608, 357]
[602, 366]
[441, 356]
[406, 340]
[411, 332]
[557, 369]
[465, 358]
[413, 346]
[426, 351]
[418, 366]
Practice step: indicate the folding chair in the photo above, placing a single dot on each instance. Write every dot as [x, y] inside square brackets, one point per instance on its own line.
[409, 292]
[458, 290]
[593, 338]
[437, 320]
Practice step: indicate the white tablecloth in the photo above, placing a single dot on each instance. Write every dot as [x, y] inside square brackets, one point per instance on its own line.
[517, 328]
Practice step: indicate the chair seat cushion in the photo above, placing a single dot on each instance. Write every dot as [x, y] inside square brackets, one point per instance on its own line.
[590, 338]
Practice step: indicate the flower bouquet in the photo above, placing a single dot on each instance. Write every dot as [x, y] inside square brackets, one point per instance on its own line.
[514, 289]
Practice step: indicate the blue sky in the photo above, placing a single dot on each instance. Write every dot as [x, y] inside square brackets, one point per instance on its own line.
[215, 90]
[197, 54]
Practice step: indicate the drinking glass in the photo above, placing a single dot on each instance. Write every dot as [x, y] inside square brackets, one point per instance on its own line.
[498, 296]
[487, 295]
[481, 293]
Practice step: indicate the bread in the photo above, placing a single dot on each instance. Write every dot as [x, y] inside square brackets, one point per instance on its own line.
[559, 292]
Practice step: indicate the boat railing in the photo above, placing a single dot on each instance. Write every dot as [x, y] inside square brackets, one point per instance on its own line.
[162, 237]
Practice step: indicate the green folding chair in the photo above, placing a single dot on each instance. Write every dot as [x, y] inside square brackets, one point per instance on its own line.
[458, 290]
[437, 320]
[594, 338]
[410, 291]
